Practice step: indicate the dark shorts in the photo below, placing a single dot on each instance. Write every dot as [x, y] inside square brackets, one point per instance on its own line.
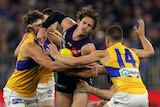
[67, 84]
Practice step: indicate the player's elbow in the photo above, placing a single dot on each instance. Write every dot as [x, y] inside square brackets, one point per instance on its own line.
[152, 53]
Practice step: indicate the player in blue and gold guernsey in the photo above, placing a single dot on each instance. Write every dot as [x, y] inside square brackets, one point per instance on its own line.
[122, 65]
[20, 89]
[46, 83]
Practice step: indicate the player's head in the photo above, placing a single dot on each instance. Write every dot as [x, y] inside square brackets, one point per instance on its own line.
[89, 12]
[114, 34]
[46, 12]
[33, 19]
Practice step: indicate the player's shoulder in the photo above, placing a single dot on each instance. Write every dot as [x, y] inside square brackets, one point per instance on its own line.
[103, 52]
[30, 46]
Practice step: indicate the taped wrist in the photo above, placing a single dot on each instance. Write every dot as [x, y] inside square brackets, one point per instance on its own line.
[53, 17]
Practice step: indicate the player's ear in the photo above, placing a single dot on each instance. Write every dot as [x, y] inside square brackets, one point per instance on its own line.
[107, 41]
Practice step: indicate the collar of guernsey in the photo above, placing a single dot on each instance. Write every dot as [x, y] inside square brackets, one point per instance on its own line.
[126, 78]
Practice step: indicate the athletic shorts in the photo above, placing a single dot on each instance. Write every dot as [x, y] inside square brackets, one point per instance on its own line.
[13, 99]
[67, 84]
[46, 90]
[128, 100]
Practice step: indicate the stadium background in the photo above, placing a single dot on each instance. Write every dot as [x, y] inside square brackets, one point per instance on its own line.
[122, 12]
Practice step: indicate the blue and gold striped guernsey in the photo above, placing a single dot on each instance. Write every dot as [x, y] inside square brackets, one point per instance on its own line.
[123, 69]
[47, 75]
[26, 76]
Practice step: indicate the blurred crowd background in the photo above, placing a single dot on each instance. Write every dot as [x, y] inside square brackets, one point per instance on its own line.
[122, 12]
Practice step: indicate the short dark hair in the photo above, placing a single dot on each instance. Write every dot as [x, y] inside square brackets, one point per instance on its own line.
[115, 33]
[47, 11]
[89, 11]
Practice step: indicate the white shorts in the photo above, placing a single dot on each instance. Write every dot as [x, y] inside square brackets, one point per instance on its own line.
[46, 91]
[128, 100]
[13, 99]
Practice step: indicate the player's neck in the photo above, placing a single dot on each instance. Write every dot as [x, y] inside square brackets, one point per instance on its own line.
[77, 36]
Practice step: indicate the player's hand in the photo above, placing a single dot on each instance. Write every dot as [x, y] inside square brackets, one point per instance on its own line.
[41, 35]
[140, 31]
[52, 49]
[83, 87]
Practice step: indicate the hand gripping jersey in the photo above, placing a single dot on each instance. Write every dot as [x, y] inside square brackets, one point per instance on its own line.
[123, 69]
[26, 75]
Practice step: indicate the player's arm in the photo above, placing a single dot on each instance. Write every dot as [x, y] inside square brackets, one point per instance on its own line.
[55, 37]
[82, 60]
[83, 86]
[33, 51]
[62, 19]
[75, 61]
[103, 93]
[85, 72]
[86, 50]
[148, 49]
[101, 70]
[18, 47]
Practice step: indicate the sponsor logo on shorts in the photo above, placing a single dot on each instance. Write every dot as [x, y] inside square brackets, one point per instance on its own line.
[50, 95]
[16, 101]
[49, 91]
[61, 86]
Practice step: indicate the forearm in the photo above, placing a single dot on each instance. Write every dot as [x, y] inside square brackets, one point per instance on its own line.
[59, 67]
[102, 93]
[55, 16]
[85, 72]
[147, 50]
[68, 60]
[146, 44]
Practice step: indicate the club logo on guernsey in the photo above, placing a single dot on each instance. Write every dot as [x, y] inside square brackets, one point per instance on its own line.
[129, 72]
[75, 51]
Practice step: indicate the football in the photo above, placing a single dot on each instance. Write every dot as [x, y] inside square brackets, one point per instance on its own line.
[66, 52]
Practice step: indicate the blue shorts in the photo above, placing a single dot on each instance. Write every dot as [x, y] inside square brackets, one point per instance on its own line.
[67, 84]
